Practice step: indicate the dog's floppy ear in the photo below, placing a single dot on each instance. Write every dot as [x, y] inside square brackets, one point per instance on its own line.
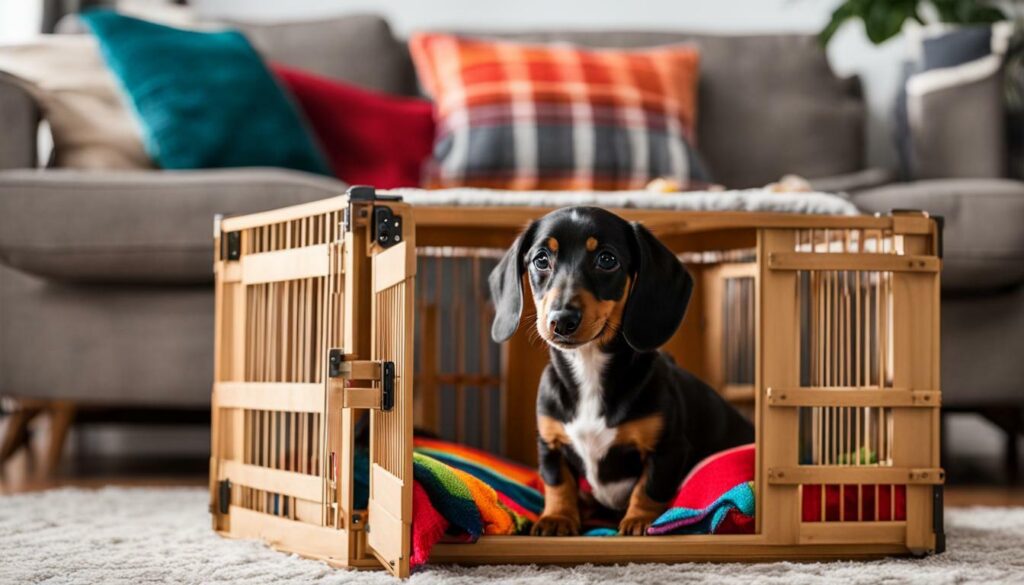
[661, 292]
[506, 282]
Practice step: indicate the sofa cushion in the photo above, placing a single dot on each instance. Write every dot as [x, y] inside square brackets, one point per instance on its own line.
[19, 122]
[357, 48]
[769, 104]
[522, 116]
[204, 99]
[134, 227]
[983, 243]
[956, 122]
[92, 127]
[370, 138]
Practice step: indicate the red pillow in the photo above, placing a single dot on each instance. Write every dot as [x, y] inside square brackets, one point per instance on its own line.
[369, 138]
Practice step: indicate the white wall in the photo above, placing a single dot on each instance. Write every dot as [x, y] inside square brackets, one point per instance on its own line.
[850, 52]
[19, 19]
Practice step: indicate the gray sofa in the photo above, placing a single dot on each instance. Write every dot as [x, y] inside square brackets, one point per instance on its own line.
[105, 278]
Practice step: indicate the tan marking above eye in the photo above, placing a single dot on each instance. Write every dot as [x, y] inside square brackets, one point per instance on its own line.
[552, 244]
[591, 244]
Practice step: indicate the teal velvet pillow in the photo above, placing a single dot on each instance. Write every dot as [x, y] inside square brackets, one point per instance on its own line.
[204, 100]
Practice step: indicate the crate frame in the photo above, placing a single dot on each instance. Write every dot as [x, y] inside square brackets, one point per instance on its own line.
[909, 392]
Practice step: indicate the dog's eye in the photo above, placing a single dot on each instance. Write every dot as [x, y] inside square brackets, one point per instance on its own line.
[607, 261]
[541, 261]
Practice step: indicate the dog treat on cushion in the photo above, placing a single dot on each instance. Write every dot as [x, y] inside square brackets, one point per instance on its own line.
[92, 127]
[555, 117]
[204, 100]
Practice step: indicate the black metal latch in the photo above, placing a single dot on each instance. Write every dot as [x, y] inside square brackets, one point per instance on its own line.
[387, 384]
[383, 372]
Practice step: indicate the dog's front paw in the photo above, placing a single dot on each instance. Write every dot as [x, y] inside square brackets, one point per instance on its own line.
[636, 524]
[552, 525]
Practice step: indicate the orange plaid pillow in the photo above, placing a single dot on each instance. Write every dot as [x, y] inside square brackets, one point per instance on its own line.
[555, 117]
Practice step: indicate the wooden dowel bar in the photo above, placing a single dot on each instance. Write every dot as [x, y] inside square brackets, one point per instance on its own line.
[841, 474]
[851, 261]
[269, 479]
[283, 265]
[852, 396]
[282, 396]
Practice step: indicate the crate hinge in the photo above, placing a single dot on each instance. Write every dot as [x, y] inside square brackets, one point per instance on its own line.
[380, 397]
[224, 496]
[386, 227]
[231, 246]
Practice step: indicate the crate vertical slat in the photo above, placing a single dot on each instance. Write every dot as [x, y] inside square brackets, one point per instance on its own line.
[915, 357]
[777, 367]
[390, 503]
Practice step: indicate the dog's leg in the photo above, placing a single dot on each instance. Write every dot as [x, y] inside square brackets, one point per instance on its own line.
[561, 516]
[655, 490]
[642, 510]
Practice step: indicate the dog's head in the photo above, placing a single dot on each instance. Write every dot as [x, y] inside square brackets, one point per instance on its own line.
[593, 275]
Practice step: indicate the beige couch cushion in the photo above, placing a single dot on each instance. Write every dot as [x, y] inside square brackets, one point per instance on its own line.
[79, 98]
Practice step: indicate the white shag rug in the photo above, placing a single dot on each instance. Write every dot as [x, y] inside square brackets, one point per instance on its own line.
[163, 535]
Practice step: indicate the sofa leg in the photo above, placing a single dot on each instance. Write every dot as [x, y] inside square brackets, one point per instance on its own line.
[1011, 459]
[1010, 420]
[16, 434]
[62, 414]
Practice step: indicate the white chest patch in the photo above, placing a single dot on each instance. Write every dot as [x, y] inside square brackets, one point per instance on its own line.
[591, 438]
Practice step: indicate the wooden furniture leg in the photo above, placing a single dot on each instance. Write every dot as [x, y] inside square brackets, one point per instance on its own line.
[61, 416]
[16, 434]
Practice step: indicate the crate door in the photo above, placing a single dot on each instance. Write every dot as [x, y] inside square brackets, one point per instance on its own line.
[390, 502]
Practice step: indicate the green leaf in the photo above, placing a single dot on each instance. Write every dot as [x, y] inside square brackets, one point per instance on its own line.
[840, 15]
[884, 20]
[946, 9]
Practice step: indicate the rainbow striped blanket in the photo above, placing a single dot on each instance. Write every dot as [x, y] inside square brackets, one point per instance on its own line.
[462, 493]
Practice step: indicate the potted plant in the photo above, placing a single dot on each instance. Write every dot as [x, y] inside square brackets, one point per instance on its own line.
[884, 19]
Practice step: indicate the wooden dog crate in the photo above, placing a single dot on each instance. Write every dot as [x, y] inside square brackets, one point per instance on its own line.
[826, 329]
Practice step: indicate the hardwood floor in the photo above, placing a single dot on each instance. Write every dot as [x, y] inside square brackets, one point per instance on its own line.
[959, 496]
[24, 473]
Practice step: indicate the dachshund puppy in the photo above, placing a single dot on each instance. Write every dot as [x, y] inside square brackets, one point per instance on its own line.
[610, 408]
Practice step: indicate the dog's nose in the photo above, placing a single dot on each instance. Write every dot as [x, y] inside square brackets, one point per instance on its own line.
[564, 321]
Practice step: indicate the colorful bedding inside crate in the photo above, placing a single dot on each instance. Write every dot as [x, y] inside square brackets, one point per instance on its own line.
[462, 493]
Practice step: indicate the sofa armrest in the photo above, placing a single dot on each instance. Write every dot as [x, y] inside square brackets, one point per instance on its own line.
[19, 125]
[983, 245]
[853, 182]
[957, 121]
[147, 227]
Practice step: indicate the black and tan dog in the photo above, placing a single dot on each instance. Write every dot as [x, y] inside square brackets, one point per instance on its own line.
[610, 407]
